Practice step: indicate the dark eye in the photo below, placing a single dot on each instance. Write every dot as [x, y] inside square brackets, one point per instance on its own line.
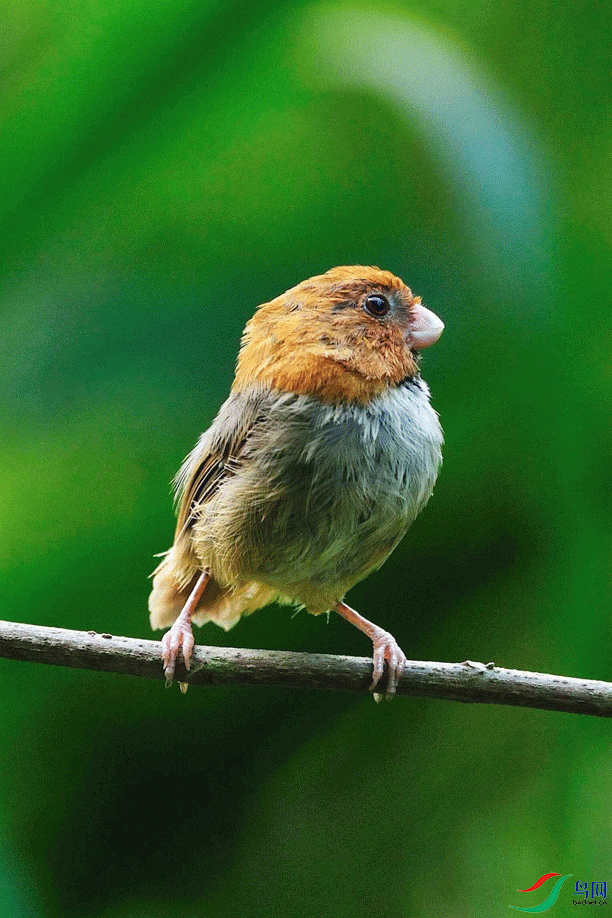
[376, 304]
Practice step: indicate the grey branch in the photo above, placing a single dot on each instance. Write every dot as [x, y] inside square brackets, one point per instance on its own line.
[469, 682]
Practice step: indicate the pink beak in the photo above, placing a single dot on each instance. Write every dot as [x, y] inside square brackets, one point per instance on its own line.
[424, 327]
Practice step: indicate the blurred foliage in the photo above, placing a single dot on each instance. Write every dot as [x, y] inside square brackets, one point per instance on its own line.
[163, 169]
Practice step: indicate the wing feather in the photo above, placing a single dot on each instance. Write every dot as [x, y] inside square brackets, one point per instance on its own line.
[217, 456]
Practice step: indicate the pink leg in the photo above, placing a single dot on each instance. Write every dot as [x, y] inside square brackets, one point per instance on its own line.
[385, 648]
[181, 635]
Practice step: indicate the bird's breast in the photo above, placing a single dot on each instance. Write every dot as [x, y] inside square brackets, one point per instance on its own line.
[325, 492]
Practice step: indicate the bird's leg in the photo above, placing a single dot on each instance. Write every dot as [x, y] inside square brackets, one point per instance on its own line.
[181, 635]
[385, 648]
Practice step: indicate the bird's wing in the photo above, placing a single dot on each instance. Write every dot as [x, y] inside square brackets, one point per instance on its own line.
[216, 456]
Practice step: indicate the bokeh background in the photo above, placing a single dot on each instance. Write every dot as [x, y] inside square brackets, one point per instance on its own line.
[164, 168]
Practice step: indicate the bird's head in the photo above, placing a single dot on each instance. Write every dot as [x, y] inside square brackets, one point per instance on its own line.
[343, 336]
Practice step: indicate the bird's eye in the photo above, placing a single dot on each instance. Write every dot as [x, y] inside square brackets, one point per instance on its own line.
[376, 304]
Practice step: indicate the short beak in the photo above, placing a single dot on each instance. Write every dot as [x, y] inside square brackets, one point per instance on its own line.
[424, 327]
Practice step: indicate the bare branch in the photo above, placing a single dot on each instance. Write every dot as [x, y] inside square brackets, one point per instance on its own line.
[467, 682]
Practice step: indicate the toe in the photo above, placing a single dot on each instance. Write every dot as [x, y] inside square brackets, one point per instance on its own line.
[397, 661]
[378, 659]
[180, 635]
[188, 644]
[169, 672]
[165, 651]
[170, 645]
[386, 649]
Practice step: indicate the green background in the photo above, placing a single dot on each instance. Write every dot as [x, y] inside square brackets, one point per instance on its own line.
[164, 168]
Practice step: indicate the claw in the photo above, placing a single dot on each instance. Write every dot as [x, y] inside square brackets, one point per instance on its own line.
[387, 648]
[180, 635]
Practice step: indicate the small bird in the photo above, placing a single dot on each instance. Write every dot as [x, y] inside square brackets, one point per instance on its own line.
[314, 468]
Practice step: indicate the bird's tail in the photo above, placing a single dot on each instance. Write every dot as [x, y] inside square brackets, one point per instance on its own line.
[173, 581]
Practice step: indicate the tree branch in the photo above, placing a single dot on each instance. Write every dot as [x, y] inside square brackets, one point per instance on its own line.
[467, 682]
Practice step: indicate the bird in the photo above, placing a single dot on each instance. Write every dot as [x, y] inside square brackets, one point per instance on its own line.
[314, 468]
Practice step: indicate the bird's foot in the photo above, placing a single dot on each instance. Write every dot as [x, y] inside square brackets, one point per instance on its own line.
[179, 636]
[386, 649]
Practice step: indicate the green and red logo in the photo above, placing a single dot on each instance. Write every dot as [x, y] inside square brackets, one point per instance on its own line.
[550, 899]
[597, 889]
